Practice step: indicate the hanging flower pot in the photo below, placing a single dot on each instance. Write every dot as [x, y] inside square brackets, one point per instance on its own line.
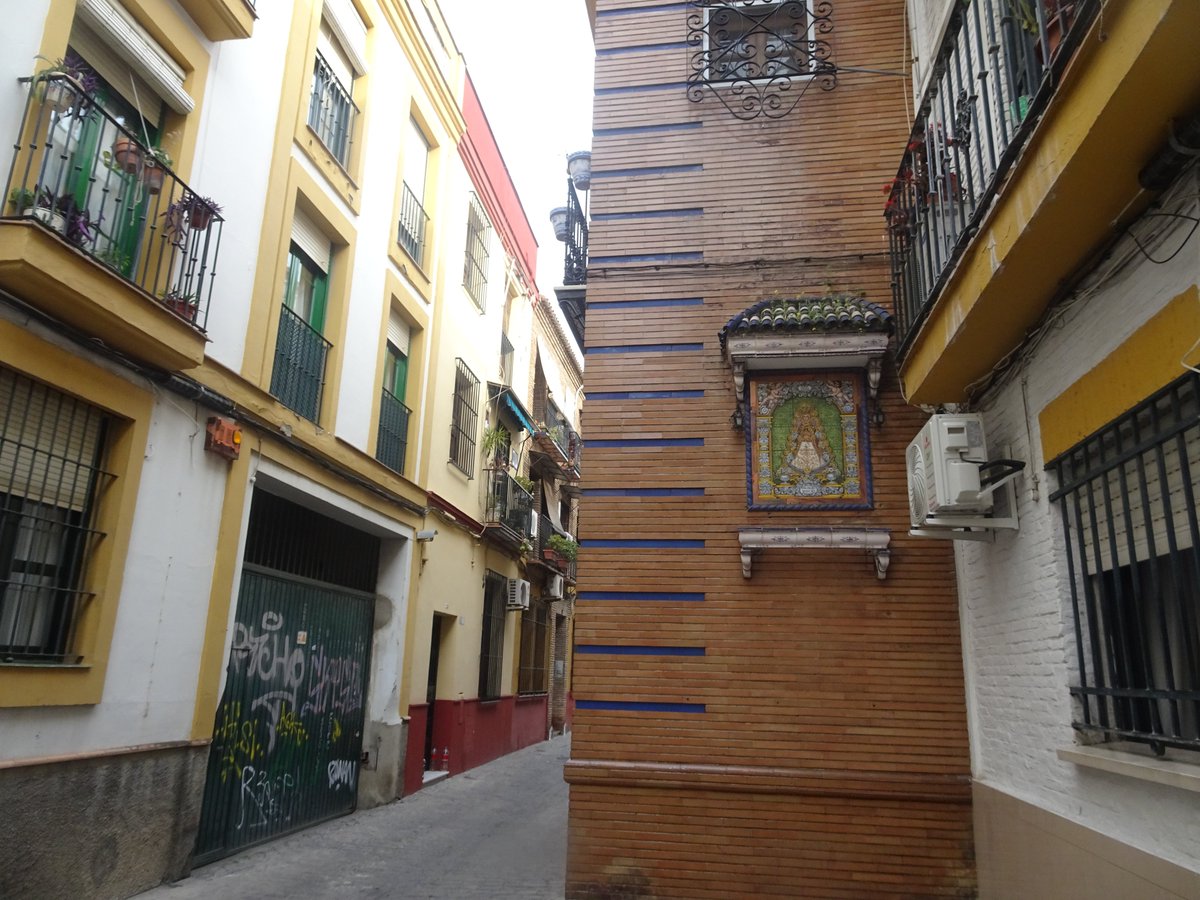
[152, 176]
[59, 96]
[127, 155]
[558, 218]
[579, 167]
[201, 212]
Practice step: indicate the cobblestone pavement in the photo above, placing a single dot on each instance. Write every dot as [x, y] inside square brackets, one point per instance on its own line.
[497, 831]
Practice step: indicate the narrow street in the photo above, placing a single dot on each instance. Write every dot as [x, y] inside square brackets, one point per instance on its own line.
[498, 831]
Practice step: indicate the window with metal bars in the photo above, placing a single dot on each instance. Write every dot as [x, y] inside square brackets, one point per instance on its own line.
[757, 40]
[491, 651]
[1127, 498]
[479, 232]
[51, 450]
[331, 112]
[466, 419]
[535, 637]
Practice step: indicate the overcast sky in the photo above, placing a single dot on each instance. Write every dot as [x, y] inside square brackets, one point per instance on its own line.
[531, 61]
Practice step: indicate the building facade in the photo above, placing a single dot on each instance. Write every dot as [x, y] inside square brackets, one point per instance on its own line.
[1056, 298]
[232, 292]
[768, 676]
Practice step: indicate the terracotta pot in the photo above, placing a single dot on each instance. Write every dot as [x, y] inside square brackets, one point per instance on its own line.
[152, 176]
[127, 155]
[200, 216]
[182, 307]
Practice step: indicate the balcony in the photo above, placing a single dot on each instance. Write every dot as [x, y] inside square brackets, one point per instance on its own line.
[1023, 162]
[572, 295]
[413, 223]
[298, 378]
[99, 231]
[391, 445]
[560, 442]
[509, 506]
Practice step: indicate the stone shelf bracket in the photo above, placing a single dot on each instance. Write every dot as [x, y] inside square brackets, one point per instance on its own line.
[874, 541]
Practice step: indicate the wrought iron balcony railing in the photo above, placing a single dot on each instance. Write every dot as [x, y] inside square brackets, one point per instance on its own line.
[558, 426]
[545, 530]
[993, 76]
[509, 504]
[413, 222]
[331, 111]
[391, 444]
[85, 176]
[298, 378]
[575, 264]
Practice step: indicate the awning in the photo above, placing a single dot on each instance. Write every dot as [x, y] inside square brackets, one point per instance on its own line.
[518, 411]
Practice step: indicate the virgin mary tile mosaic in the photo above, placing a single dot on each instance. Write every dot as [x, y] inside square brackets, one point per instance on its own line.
[807, 442]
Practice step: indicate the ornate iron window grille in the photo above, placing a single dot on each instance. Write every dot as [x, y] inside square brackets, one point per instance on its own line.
[757, 57]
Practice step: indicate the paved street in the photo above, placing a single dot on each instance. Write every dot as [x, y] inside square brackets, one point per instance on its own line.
[498, 831]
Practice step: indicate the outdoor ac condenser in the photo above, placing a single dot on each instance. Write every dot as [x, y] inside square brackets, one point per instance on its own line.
[518, 593]
[944, 461]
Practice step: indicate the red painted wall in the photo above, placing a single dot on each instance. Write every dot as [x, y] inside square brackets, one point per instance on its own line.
[475, 732]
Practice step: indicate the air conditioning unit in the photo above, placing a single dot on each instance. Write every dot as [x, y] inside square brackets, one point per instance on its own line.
[951, 480]
[554, 587]
[518, 593]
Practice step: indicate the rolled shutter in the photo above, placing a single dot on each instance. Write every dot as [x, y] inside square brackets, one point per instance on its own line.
[311, 240]
[131, 51]
[398, 334]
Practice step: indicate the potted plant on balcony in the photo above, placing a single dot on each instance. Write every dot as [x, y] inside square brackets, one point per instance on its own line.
[127, 154]
[560, 550]
[154, 169]
[58, 79]
[201, 211]
[21, 199]
[182, 303]
[495, 442]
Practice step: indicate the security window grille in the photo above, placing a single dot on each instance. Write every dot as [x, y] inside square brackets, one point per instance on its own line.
[475, 267]
[535, 638]
[51, 448]
[331, 112]
[749, 41]
[466, 419]
[298, 377]
[1127, 497]
[491, 651]
[506, 360]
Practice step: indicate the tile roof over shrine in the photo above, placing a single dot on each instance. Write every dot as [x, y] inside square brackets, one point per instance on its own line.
[831, 313]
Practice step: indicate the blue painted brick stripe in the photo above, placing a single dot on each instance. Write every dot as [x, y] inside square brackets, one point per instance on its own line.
[646, 395]
[639, 10]
[641, 48]
[646, 170]
[648, 442]
[647, 129]
[696, 256]
[639, 706]
[649, 214]
[641, 89]
[630, 650]
[659, 596]
[647, 543]
[642, 304]
[643, 348]
[643, 492]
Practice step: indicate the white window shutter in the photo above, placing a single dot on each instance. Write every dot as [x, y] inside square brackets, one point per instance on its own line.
[311, 239]
[398, 333]
[350, 31]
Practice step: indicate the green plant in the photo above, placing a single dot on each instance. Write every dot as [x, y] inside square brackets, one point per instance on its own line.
[525, 483]
[21, 199]
[494, 440]
[564, 547]
[114, 257]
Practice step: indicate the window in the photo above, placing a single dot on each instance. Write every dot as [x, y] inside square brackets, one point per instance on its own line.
[51, 448]
[298, 377]
[331, 109]
[1127, 497]
[413, 219]
[466, 417]
[535, 626]
[479, 231]
[392, 442]
[506, 360]
[491, 651]
[757, 40]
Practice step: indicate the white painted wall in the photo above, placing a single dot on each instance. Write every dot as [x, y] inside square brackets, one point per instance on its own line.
[150, 687]
[1015, 597]
[233, 159]
[20, 42]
